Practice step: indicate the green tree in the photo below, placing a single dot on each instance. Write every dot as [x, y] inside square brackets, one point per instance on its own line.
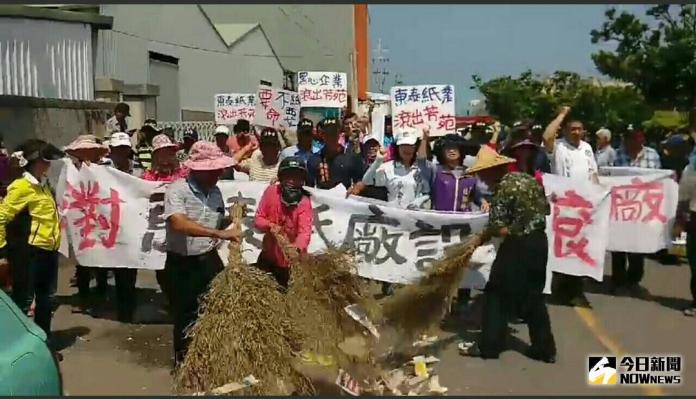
[657, 58]
[531, 97]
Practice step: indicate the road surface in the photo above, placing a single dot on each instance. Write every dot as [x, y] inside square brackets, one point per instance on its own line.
[105, 357]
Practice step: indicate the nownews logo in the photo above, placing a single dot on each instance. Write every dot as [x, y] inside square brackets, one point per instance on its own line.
[635, 370]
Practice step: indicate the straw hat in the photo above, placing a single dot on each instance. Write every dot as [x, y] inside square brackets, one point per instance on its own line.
[487, 158]
[205, 155]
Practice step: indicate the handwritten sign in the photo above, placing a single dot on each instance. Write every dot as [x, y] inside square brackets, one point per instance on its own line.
[642, 209]
[231, 107]
[577, 227]
[323, 89]
[125, 227]
[277, 108]
[425, 105]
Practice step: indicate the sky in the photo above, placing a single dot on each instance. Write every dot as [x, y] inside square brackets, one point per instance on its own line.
[447, 44]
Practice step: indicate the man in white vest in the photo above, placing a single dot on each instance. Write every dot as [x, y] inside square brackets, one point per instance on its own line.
[571, 157]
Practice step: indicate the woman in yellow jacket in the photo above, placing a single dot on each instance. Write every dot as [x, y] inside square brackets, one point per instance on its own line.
[38, 277]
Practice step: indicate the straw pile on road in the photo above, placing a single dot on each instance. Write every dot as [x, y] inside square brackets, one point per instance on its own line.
[419, 307]
[244, 327]
[321, 287]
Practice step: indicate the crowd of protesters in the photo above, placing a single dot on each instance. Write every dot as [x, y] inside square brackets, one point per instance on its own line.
[478, 169]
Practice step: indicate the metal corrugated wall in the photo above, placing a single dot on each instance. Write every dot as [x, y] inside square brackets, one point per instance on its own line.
[48, 59]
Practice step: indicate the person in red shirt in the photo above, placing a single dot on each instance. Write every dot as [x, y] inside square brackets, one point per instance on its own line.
[286, 208]
[165, 165]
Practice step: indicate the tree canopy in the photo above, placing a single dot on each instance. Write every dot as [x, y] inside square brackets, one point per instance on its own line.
[530, 96]
[659, 57]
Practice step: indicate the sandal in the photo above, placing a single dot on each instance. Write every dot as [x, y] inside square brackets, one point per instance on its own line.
[469, 349]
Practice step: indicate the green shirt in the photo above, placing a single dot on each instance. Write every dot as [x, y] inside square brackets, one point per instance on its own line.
[519, 204]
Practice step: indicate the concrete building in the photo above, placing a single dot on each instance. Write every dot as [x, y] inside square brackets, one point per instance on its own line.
[47, 74]
[172, 59]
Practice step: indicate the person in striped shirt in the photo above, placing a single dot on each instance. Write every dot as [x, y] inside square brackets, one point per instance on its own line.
[144, 148]
[263, 163]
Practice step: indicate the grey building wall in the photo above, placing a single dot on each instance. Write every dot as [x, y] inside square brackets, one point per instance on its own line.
[305, 37]
[206, 65]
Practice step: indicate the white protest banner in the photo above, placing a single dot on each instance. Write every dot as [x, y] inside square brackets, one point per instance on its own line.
[323, 89]
[425, 105]
[113, 220]
[643, 207]
[577, 227]
[229, 108]
[277, 108]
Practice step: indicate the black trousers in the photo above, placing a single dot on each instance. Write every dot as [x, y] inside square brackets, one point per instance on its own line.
[126, 294]
[691, 254]
[622, 276]
[190, 277]
[517, 276]
[84, 277]
[36, 279]
[568, 287]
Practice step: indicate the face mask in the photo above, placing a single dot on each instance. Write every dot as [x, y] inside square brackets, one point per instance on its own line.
[290, 196]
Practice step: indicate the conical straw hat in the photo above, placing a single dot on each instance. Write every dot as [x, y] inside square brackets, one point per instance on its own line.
[487, 158]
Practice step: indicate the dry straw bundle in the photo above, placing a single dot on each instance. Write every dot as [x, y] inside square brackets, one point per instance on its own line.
[244, 328]
[419, 307]
[321, 286]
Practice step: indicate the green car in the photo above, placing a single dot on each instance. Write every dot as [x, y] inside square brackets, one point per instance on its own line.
[27, 365]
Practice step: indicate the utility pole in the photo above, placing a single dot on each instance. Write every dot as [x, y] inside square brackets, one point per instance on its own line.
[379, 62]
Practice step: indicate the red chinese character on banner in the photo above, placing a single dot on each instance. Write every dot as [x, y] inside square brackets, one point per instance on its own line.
[265, 97]
[447, 122]
[417, 117]
[628, 202]
[403, 119]
[431, 112]
[93, 223]
[272, 115]
[567, 230]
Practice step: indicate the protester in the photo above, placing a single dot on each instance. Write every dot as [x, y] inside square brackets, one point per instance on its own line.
[543, 163]
[686, 218]
[86, 150]
[36, 277]
[285, 208]
[242, 136]
[632, 153]
[222, 135]
[190, 137]
[518, 215]
[194, 211]
[263, 163]
[332, 165]
[303, 149]
[525, 154]
[606, 155]
[406, 176]
[4, 168]
[119, 121]
[571, 157]
[165, 166]
[121, 155]
[675, 154]
[144, 147]
[452, 190]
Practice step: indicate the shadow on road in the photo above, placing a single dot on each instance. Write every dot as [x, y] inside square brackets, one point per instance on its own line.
[63, 339]
[151, 306]
[466, 323]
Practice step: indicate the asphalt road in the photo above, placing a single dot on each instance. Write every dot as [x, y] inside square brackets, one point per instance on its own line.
[105, 357]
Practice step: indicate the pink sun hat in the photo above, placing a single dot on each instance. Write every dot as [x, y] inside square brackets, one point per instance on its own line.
[205, 155]
[85, 142]
[162, 141]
